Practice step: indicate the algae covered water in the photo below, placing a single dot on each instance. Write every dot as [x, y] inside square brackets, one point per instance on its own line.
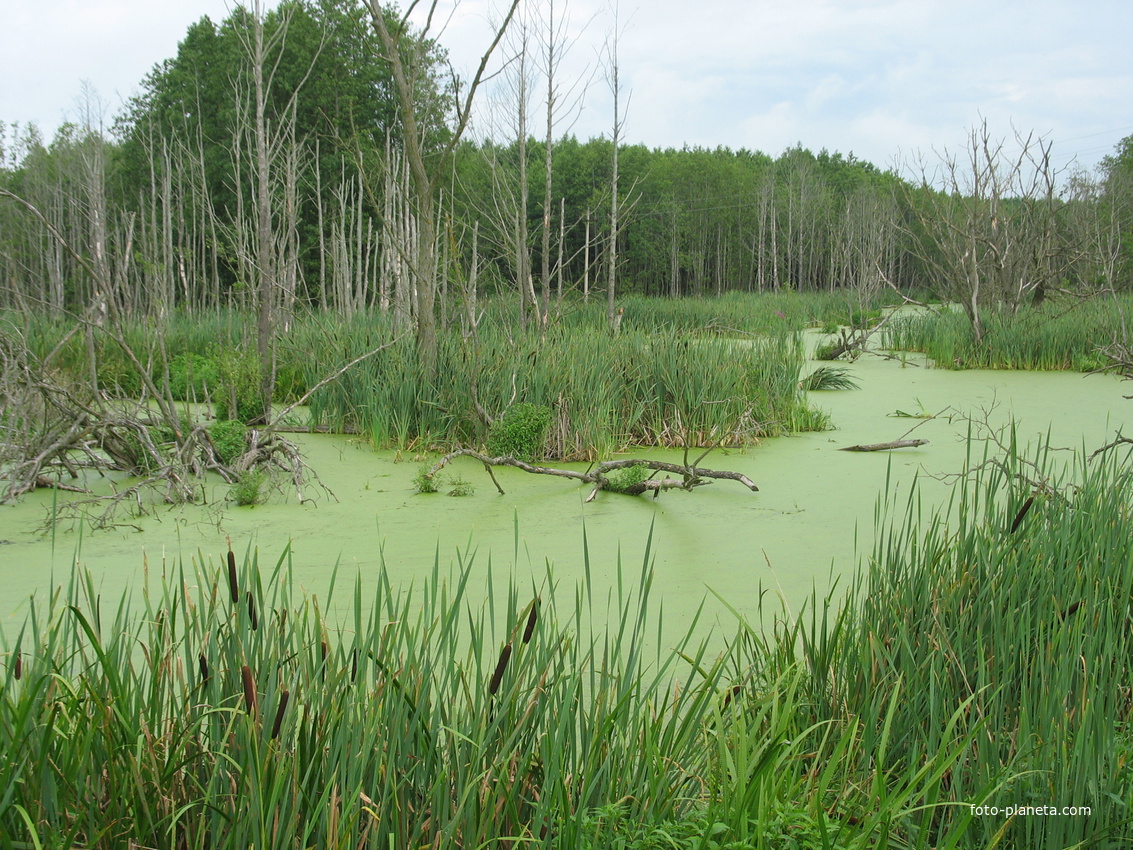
[720, 546]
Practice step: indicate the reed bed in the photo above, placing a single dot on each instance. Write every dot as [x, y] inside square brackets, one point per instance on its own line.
[1056, 336]
[223, 712]
[604, 392]
[726, 373]
[1002, 620]
[732, 314]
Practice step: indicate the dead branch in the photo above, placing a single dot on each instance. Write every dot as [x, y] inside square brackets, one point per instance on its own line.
[1119, 440]
[52, 429]
[884, 447]
[690, 475]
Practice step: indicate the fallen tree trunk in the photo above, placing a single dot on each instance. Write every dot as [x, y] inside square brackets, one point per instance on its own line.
[884, 447]
[690, 475]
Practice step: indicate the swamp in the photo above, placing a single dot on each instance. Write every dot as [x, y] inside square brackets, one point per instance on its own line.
[367, 484]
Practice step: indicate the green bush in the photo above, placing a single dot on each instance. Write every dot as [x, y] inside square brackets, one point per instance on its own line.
[520, 433]
[238, 386]
[192, 377]
[249, 489]
[425, 483]
[229, 439]
[622, 480]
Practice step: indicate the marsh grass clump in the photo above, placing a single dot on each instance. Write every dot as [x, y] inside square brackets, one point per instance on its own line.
[250, 488]
[829, 378]
[1053, 336]
[459, 487]
[423, 482]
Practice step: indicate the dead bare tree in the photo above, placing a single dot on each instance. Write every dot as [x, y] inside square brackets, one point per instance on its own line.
[427, 167]
[613, 317]
[986, 225]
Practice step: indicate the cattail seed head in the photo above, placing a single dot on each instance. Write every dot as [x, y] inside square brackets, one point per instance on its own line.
[501, 666]
[253, 619]
[249, 690]
[1022, 513]
[532, 619]
[279, 712]
[19, 666]
[233, 586]
[203, 664]
[1071, 611]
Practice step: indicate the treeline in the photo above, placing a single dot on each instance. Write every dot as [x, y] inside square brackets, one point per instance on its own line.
[270, 149]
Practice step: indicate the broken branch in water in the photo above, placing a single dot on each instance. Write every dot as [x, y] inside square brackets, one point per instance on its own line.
[690, 475]
[884, 447]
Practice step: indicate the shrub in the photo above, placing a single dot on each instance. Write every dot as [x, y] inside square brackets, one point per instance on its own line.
[622, 480]
[249, 489]
[229, 439]
[238, 386]
[191, 377]
[520, 433]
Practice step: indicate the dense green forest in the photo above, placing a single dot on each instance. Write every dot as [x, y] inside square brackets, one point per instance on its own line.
[272, 149]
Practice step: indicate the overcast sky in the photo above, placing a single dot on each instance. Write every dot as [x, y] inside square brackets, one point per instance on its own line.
[884, 79]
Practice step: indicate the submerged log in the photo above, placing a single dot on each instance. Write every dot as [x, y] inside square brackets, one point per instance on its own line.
[691, 475]
[884, 447]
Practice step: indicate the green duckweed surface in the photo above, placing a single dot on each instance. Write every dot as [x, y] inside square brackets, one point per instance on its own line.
[807, 527]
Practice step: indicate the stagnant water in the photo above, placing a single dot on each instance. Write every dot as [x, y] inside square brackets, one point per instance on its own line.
[796, 534]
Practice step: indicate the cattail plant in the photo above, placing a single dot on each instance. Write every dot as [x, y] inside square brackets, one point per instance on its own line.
[249, 689]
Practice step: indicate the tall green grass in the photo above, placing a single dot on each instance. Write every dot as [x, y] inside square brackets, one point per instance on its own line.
[732, 314]
[656, 383]
[604, 392]
[1056, 336]
[221, 711]
[1005, 618]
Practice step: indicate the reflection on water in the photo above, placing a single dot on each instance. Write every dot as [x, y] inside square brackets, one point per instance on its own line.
[796, 534]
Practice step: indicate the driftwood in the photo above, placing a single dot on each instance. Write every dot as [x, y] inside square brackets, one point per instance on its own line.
[53, 429]
[884, 447]
[690, 475]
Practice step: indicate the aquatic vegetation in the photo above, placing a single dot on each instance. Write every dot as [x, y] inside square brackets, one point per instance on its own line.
[829, 378]
[249, 489]
[622, 480]
[1055, 336]
[603, 392]
[229, 439]
[520, 433]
